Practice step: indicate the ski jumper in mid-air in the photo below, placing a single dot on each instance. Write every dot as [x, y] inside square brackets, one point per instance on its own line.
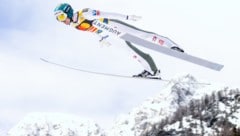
[83, 20]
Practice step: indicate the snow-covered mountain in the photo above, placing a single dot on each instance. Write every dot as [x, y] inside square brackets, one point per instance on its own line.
[141, 119]
[55, 124]
[184, 107]
[215, 114]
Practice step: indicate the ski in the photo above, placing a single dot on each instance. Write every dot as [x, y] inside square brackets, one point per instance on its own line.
[101, 73]
[147, 44]
[173, 53]
[113, 75]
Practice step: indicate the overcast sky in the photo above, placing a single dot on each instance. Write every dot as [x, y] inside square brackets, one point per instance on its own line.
[29, 31]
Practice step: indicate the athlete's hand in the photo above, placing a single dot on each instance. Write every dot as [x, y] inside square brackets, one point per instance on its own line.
[133, 17]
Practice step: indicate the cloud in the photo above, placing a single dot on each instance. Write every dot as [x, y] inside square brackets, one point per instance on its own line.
[17, 15]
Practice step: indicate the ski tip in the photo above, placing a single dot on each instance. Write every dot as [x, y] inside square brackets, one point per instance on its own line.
[220, 67]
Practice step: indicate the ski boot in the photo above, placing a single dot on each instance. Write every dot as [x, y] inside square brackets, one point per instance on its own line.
[146, 74]
[177, 49]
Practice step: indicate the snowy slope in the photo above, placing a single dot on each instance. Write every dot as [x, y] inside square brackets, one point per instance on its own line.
[146, 119]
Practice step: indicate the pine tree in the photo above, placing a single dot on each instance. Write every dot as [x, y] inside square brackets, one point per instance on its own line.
[236, 132]
[206, 100]
[192, 108]
[199, 111]
[220, 95]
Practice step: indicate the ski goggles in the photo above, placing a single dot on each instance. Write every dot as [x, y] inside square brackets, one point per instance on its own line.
[61, 16]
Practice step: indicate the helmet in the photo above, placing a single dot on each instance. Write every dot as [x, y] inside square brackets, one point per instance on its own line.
[63, 11]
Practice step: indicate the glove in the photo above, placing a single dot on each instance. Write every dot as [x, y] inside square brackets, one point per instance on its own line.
[104, 42]
[133, 17]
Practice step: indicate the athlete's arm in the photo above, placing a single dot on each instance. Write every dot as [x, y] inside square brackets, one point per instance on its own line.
[96, 14]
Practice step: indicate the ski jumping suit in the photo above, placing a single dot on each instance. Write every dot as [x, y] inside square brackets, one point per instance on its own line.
[83, 20]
